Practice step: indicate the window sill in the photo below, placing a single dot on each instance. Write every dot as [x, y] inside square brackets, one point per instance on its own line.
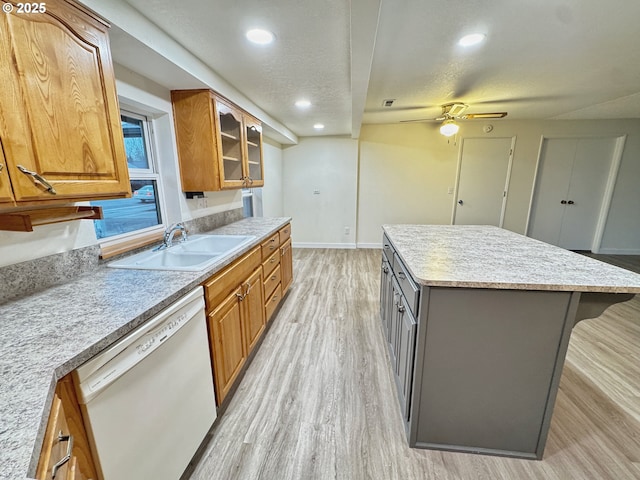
[111, 248]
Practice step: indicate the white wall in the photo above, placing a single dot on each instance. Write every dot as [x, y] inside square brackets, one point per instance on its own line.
[406, 169]
[272, 205]
[327, 165]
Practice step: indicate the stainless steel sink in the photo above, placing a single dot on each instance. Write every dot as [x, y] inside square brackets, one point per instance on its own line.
[196, 254]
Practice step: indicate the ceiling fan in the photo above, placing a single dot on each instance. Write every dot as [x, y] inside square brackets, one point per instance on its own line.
[455, 111]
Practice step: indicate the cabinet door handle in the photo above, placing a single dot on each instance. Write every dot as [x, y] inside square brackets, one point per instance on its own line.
[401, 308]
[67, 457]
[38, 178]
[248, 285]
[401, 274]
[273, 260]
[1, 167]
[275, 298]
[273, 278]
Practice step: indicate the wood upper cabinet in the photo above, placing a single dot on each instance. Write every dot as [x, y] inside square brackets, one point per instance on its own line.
[65, 448]
[253, 153]
[6, 195]
[59, 115]
[219, 145]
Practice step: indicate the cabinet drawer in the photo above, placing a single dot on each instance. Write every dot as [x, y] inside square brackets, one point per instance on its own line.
[271, 282]
[218, 287]
[409, 289]
[387, 249]
[269, 246]
[273, 302]
[285, 233]
[270, 263]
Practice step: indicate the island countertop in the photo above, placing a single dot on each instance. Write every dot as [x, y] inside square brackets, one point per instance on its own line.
[48, 334]
[481, 256]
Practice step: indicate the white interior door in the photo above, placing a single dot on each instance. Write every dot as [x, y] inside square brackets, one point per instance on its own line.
[481, 192]
[570, 189]
[552, 187]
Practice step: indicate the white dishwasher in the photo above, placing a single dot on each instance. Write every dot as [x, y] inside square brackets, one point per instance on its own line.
[148, 400]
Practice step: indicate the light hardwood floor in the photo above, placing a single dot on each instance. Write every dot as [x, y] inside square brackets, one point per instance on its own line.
[319, 401]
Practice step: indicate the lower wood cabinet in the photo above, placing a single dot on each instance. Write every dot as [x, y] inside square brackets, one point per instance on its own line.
[240, 300]
[65, 454]
[286, 265]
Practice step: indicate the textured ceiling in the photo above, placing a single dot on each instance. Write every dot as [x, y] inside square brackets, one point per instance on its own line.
[543, 59]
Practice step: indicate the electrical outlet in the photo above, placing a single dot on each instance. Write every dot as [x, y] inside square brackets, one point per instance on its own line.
[202, 202]
[450, 190]
[347, 230]
[316, 192]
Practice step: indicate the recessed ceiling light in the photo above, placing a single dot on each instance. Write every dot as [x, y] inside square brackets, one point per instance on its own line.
[318, 126]
[260, 36]
[472, 39]
[303, 103]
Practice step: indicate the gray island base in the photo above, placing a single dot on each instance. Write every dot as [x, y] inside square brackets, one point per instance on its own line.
[478, 321]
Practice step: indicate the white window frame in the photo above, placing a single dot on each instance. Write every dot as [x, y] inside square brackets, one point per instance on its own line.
[146, 235]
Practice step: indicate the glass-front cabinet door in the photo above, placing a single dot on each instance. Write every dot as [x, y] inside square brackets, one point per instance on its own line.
[232, 173]
[253, 132]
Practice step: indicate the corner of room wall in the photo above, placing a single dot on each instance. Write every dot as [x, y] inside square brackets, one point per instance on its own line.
[272, 195]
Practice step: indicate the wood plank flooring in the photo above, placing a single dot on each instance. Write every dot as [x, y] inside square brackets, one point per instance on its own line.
[319, 401]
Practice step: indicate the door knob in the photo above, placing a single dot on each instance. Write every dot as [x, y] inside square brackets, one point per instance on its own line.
[460, 202]
[563, 202]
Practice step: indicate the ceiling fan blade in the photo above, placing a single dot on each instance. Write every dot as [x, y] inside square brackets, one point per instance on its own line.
[472, 116]
[417, 120]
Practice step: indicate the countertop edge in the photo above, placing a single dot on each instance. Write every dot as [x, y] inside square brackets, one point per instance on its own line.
[550, 286]
[72, 363]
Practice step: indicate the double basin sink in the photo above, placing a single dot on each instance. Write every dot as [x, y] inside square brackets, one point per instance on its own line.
[197, 253]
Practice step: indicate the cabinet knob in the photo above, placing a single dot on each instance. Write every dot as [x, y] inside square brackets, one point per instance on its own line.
[460, 202]
[571, 202]
[563, 202]
[401, 309]
[1, 167]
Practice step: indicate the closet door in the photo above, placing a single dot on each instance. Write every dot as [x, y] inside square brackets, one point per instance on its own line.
[569, 191]
[586, 191]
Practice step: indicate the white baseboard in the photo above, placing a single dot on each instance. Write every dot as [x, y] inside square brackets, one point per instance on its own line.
[619, 251]
[370, 245]
[323, 245]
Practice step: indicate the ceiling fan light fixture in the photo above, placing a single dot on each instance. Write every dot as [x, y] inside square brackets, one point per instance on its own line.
[449, 128]
[472, 39]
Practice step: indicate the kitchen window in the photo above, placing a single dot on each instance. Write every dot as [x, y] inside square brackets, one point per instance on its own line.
[138, 217]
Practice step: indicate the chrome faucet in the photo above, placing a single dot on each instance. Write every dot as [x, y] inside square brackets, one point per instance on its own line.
[169, 233]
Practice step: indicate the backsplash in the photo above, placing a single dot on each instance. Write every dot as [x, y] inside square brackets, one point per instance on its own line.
[33, 275]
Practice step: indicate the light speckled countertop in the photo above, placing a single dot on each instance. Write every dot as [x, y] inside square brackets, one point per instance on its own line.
[47, 335]
[478, 256]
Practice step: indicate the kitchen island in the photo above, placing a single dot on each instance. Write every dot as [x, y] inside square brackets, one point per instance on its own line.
[478, 321]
